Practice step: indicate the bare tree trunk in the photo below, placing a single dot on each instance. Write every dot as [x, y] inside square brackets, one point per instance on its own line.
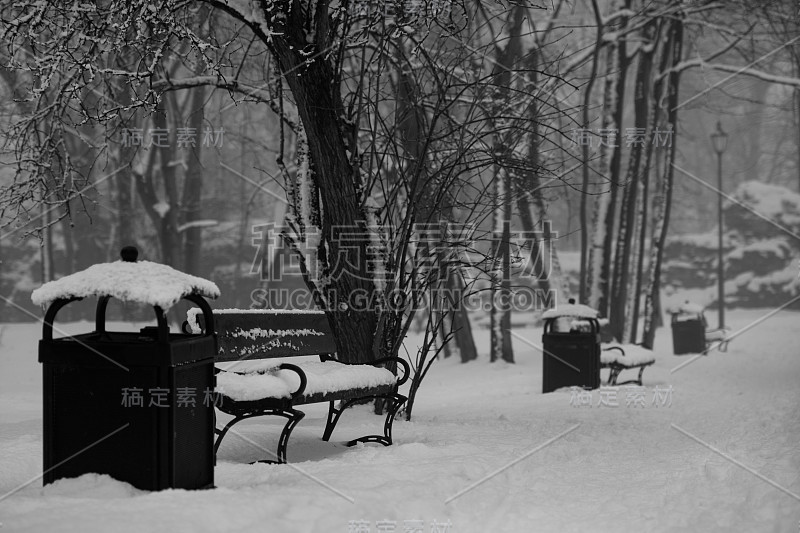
[795, 52]
[46, 245]
[603, 217]
[460, 324]
[644, 226]
[675, 43]
[587, 100]
[500, 312]
[617, 111]
[168, 213]
[621, 313]
[500, 318]
[193, 188]
[322, 114]
[530, 201]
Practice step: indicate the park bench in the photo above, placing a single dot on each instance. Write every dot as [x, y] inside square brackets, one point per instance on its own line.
[618, 358]
[254, 379]
[690, 331]
[717, 338]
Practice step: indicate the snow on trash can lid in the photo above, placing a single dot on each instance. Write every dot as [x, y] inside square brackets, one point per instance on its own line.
[571, 310]
[686, 308]
[128, 280]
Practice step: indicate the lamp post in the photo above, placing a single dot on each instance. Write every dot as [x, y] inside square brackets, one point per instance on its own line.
[720, 141]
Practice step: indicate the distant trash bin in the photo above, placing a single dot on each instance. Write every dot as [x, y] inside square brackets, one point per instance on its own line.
[688, 329]
[129, 404]
[571, 344]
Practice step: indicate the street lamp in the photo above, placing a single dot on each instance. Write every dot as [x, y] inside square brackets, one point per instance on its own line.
[720, 141]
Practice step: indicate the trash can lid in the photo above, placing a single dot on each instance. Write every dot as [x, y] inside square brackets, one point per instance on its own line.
[128, 280]
[571, 309]
[686, 308]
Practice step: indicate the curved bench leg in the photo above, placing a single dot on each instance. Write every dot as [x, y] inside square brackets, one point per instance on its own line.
[333, 418]
[293, 416]
[641, 371]
[394, 402]
[612, 377]
[224, 431]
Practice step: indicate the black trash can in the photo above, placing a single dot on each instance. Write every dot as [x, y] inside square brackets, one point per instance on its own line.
[688, 329]
[134, 405]
[571, 343]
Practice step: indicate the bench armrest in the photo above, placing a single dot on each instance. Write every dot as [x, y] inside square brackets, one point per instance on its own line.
[302, 375]
[380, 361]
[615, 348]
[394, 359]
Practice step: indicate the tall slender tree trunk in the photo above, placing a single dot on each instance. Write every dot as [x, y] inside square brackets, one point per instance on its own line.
[675, 42]
[797, 118]
[530, 199]
[504, 181]
[620, 316]
[585, 152]
[617, 111]
[193, 187]
[500, 313]
[599, 267]
[168, 214]
[644, 226]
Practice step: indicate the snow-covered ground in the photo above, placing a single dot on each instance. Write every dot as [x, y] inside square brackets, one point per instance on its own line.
[720, 454]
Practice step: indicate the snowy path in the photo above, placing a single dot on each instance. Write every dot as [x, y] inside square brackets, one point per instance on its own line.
[621, 469]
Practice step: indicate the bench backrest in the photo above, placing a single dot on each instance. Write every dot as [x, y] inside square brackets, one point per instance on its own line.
[244, 334]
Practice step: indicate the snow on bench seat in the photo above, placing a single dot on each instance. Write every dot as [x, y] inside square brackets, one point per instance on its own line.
[715, 335]
[323, 378]
[619, 357]
[634, 355]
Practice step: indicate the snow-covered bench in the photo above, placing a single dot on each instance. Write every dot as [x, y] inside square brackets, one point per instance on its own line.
[689, 319]
[717, 338]
[623, 357]
[254, 379]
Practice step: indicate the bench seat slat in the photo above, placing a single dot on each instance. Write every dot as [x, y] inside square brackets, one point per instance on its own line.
[322, 378]
[631, 356]
[233, 407]
[252, 335]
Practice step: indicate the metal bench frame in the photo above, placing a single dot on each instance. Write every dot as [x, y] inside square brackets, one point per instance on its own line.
[231, 344]
[616, 368]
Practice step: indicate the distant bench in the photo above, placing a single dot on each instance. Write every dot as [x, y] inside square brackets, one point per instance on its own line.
[618, 358]
[252, 380]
